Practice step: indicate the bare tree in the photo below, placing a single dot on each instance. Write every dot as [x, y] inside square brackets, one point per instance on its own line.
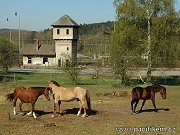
[72, 69]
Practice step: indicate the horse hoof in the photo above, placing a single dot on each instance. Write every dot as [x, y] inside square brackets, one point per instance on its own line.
[22, 114]
[52, 116]
[133, 113]
[28, 114]
[84, 115]
[140, 111]
[79, 112]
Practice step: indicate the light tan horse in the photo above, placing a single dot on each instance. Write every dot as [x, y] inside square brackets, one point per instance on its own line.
[69, 94]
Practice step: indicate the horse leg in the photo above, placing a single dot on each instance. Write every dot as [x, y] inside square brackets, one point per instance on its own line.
[84, 115]
[30, 112]
[137, 101]
[80, 108]
[59, 103]
[33, 110]
[132, 102]
[153, 101]
[84, 104]
[142, 105]
[14, 105]
[20, 108]
[54, 108]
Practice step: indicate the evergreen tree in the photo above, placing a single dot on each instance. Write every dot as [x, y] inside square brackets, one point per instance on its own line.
[7, 54]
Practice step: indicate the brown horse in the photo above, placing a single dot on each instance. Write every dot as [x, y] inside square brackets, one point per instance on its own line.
[69, 94]
[29, 95]
[147, 93]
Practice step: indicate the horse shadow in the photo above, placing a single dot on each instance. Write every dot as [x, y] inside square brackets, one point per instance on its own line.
[75, 111]
[67, 111]
[153, 110]
[41, 112]
[38, 113]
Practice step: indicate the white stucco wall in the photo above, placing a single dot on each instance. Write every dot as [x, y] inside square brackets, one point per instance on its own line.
[39, 61]
[62, 34]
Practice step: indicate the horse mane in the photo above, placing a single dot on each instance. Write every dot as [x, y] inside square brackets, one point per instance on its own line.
[155, 84]
[55, 83]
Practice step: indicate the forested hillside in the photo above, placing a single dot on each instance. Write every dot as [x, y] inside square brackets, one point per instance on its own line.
[93, 38]
[86, 31]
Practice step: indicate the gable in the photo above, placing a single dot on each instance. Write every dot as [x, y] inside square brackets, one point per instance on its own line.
[65, 21]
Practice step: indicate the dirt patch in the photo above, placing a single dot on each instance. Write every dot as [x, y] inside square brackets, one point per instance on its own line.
[109, 114]
[115, 94]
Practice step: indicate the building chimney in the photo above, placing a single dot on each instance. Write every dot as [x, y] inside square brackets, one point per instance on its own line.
[38, 45]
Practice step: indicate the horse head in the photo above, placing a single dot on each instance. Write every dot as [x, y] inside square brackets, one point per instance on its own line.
[53, 83]
[47, 92]
[163, 92]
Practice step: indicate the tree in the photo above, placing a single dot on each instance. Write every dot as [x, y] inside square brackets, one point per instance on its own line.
[126, 41]
[72, 69]
[7, 54]
[158, 13]
[152, 24]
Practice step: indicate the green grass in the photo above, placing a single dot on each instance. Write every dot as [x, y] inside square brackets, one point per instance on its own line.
[29, 79]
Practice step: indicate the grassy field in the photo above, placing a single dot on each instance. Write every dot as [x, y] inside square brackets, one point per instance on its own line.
[110, 115]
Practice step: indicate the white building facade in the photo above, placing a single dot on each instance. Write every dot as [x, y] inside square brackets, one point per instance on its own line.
[65, 36]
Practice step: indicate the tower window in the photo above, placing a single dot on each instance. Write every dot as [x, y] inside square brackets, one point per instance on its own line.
[67, 31]
[58, 31]
[45, 60]
[29, 60]
[67, 48]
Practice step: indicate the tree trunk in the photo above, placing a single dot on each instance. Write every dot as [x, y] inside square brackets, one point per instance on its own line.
[149, 67]
[123, 73]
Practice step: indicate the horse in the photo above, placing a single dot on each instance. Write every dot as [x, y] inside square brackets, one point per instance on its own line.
[27, 95]
[69, 94]
[147, 93]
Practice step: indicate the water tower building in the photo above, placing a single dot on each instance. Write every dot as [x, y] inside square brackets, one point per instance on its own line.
[57, 53]
[65, 35]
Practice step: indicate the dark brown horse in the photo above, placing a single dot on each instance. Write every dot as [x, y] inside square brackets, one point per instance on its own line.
[29, 95]
[147, 93]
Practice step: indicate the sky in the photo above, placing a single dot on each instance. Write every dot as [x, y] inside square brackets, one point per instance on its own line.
[37, 15]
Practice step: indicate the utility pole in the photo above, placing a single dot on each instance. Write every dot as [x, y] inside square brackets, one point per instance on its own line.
[17, 13]
[9, 30]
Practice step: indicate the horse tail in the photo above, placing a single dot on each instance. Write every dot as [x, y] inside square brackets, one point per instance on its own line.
[134, 93]
[88, 101]
[10, 97]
